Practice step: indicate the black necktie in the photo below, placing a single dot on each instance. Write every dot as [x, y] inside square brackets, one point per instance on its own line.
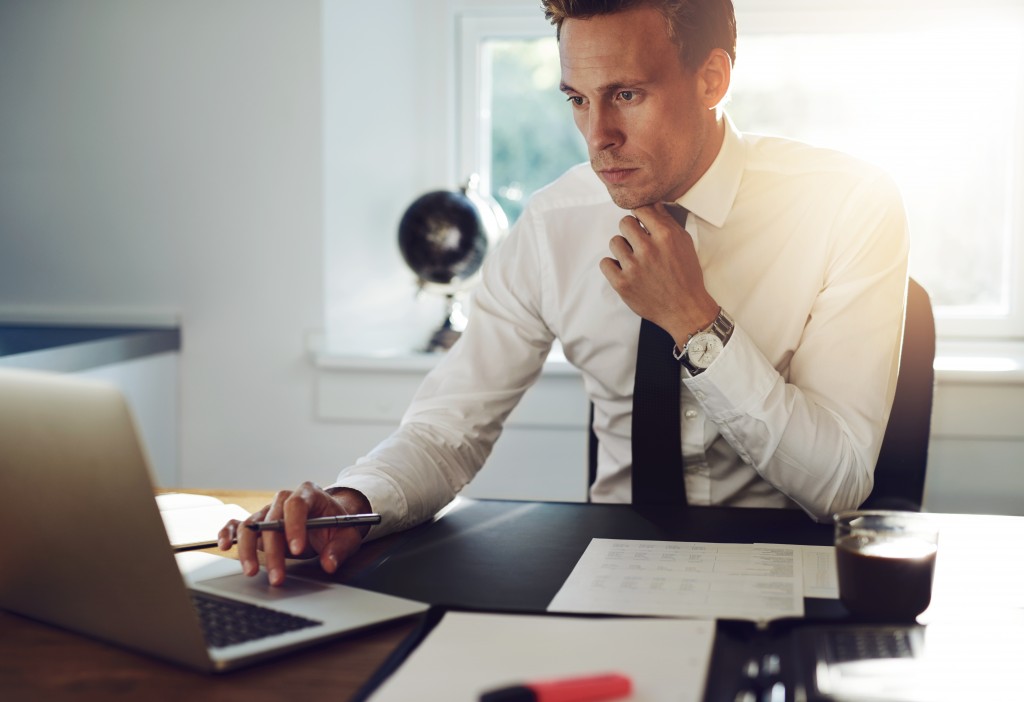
[657, 451]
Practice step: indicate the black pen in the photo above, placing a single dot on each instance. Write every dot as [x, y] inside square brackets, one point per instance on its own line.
[341, 520]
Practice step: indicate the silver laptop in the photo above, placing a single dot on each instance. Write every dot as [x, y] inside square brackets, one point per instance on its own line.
[85, 547]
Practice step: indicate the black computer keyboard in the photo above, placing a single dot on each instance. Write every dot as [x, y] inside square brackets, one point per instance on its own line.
[228, 622]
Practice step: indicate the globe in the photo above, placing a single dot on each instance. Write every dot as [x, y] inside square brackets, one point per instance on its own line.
[444, 237]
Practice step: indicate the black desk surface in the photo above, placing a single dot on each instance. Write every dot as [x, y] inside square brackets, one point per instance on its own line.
[514, 556]
[504, 556]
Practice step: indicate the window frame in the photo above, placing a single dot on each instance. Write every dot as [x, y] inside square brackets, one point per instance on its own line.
[760, 17]
[474, 97]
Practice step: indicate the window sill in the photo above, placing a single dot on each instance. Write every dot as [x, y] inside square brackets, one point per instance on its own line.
[412, 361]
[956, 362]
[960, 362]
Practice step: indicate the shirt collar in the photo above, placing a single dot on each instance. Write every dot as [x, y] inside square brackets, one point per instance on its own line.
[712, 196]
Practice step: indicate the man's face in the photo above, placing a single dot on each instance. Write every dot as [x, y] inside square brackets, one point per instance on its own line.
[647, 132]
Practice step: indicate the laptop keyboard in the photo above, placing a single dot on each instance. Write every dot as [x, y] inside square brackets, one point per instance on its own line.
[228, 622]
[861, 644]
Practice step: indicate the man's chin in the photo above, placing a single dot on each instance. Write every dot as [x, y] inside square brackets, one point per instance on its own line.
[630, 199]
[634, 193]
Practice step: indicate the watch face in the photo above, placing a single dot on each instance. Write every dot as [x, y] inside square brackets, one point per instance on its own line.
[702, 349]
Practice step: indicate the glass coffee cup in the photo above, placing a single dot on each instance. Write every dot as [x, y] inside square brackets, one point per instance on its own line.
[885, 562]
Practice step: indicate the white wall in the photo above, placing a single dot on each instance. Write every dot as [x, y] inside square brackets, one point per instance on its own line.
[387, 136]
[168, 156]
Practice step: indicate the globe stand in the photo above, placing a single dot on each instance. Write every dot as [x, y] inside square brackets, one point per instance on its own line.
[450, 331]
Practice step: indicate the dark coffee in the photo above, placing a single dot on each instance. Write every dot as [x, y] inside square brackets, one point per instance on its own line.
[887, 580]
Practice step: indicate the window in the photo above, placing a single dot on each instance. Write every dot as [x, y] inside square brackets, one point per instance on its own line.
[517, 133]
[524, 157]
[938, 103]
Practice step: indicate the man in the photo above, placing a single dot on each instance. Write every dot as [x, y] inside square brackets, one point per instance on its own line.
[790, 269]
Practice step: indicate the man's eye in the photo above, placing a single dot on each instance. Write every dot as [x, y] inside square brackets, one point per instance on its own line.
[576, 100]
[627, 95]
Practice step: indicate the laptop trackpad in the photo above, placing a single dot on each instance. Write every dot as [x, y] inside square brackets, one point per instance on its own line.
[260, 588]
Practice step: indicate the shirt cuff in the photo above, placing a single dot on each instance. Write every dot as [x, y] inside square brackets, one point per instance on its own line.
[384, 497]
[738, 380]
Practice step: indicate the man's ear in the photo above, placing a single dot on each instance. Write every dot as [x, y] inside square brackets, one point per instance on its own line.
[713, 78]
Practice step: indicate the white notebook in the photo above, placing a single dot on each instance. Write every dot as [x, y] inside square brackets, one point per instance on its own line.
[193, 521]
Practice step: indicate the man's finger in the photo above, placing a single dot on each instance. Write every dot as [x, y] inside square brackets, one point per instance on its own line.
[274, 549]
[635, 234]
[342, 544]
[661, 218]
[296, 510]
[620, 249]
[247, 543]
[226, 535]
[632, 226]
[611, 269]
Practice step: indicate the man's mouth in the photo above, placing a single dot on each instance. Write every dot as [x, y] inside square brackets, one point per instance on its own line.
[616, 176]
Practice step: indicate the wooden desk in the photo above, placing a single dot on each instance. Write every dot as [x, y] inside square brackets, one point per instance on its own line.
[39, 663]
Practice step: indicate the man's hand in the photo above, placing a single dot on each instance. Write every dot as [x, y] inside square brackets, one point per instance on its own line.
[656, 273]
[333, 545]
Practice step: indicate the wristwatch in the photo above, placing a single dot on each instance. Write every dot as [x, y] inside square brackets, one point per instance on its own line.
[703, 347]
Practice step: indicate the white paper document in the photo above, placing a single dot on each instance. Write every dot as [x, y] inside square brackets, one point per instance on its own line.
[820, 577]
[192, 521]
[666, 659]
[759, 582]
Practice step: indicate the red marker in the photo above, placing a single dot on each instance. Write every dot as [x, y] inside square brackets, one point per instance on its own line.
[593, 688]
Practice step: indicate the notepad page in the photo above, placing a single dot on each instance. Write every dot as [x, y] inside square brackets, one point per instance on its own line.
[469, 653]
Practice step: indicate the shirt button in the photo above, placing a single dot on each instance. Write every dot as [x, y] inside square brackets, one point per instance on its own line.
[691, 414]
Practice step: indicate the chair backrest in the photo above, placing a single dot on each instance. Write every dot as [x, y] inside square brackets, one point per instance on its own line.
[903, 459]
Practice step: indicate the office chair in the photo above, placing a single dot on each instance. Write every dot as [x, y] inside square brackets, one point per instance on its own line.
[903, 459]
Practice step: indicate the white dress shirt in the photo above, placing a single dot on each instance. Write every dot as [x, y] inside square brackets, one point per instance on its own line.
[806, 249]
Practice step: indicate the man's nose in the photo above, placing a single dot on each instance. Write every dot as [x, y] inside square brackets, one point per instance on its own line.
[603, 130]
